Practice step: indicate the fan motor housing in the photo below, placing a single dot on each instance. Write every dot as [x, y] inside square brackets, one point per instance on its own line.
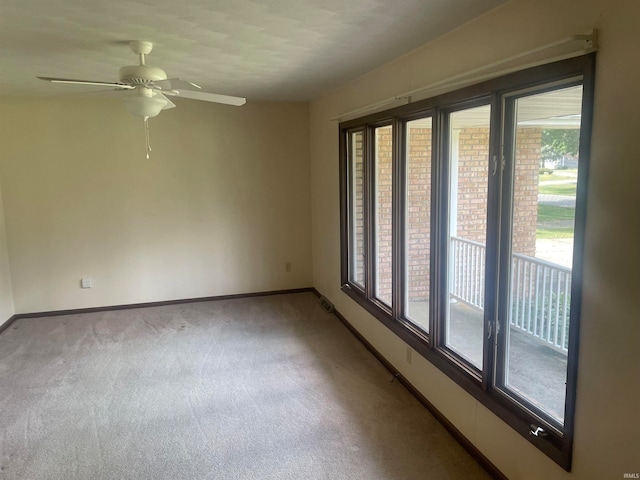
[141, 74]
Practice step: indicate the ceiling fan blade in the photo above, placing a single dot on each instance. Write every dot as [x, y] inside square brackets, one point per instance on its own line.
[208, 97]
[87, 82]
[176, 84]
[169, 103]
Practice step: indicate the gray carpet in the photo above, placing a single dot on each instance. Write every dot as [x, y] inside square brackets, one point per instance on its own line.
[260, 388]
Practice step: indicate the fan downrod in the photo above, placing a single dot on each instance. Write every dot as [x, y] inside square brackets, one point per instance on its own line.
[141, 74]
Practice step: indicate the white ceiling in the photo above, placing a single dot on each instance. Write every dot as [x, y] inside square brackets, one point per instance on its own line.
[262, 50]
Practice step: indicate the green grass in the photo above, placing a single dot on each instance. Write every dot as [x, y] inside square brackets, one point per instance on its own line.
[554, 233]
[549, 213]
[547, 177]
[568, 189]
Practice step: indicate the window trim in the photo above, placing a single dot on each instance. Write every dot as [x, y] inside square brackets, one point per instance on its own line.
[557, 446]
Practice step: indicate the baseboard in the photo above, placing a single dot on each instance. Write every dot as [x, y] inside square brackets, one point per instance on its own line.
[8, 323]
[109, 308]
[450, 427]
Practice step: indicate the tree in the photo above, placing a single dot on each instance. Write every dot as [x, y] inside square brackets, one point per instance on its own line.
[556, 143]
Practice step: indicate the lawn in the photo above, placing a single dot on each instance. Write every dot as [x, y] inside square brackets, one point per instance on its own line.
[549, 213]
[553, 233]
[568, 189]
[553, 176]
[555, 222]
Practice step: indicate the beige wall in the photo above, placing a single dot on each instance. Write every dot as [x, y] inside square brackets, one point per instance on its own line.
[219, 208]
[6, 292]
[607, 416]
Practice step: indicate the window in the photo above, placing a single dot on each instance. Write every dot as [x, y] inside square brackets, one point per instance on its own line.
[540, 180]
[462, 231]
[383, 213]
[417, 226]
[356, 207]
[468, 167]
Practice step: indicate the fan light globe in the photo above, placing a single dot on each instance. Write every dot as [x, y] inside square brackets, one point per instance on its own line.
[145, 106]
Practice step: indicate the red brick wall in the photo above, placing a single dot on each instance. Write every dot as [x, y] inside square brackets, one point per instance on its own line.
[473, 165]
[473, 155]
[384, 179]
[358, 174]
[418, 213]
[418, 209]
[472, 186]
[525, 208]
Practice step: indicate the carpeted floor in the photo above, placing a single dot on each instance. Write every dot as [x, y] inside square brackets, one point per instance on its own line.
[260, 388]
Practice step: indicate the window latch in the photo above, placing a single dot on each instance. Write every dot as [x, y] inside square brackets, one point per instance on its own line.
[495, 165]
[537, 431]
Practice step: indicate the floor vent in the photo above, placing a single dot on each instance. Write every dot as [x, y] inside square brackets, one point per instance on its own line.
[326, 304]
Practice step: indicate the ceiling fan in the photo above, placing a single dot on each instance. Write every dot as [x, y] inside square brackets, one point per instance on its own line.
[145, 88]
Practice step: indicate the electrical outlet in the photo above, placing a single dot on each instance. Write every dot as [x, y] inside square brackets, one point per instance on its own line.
[287, 267]
[85, 283]
[409, 354]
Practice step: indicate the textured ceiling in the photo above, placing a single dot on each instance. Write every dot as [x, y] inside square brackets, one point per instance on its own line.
[262, 50]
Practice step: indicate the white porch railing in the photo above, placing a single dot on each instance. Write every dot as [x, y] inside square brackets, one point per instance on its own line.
[467, 266]
[540, 297]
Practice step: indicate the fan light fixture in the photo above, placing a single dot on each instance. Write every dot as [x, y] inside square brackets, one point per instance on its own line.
[144, 103]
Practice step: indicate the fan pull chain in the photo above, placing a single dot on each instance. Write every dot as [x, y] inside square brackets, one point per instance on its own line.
[146, 136]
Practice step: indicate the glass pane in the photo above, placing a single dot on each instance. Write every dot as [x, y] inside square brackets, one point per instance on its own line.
[468, 188]
[544, 201]
[383, 196]
[356, 249]
[418, 218]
